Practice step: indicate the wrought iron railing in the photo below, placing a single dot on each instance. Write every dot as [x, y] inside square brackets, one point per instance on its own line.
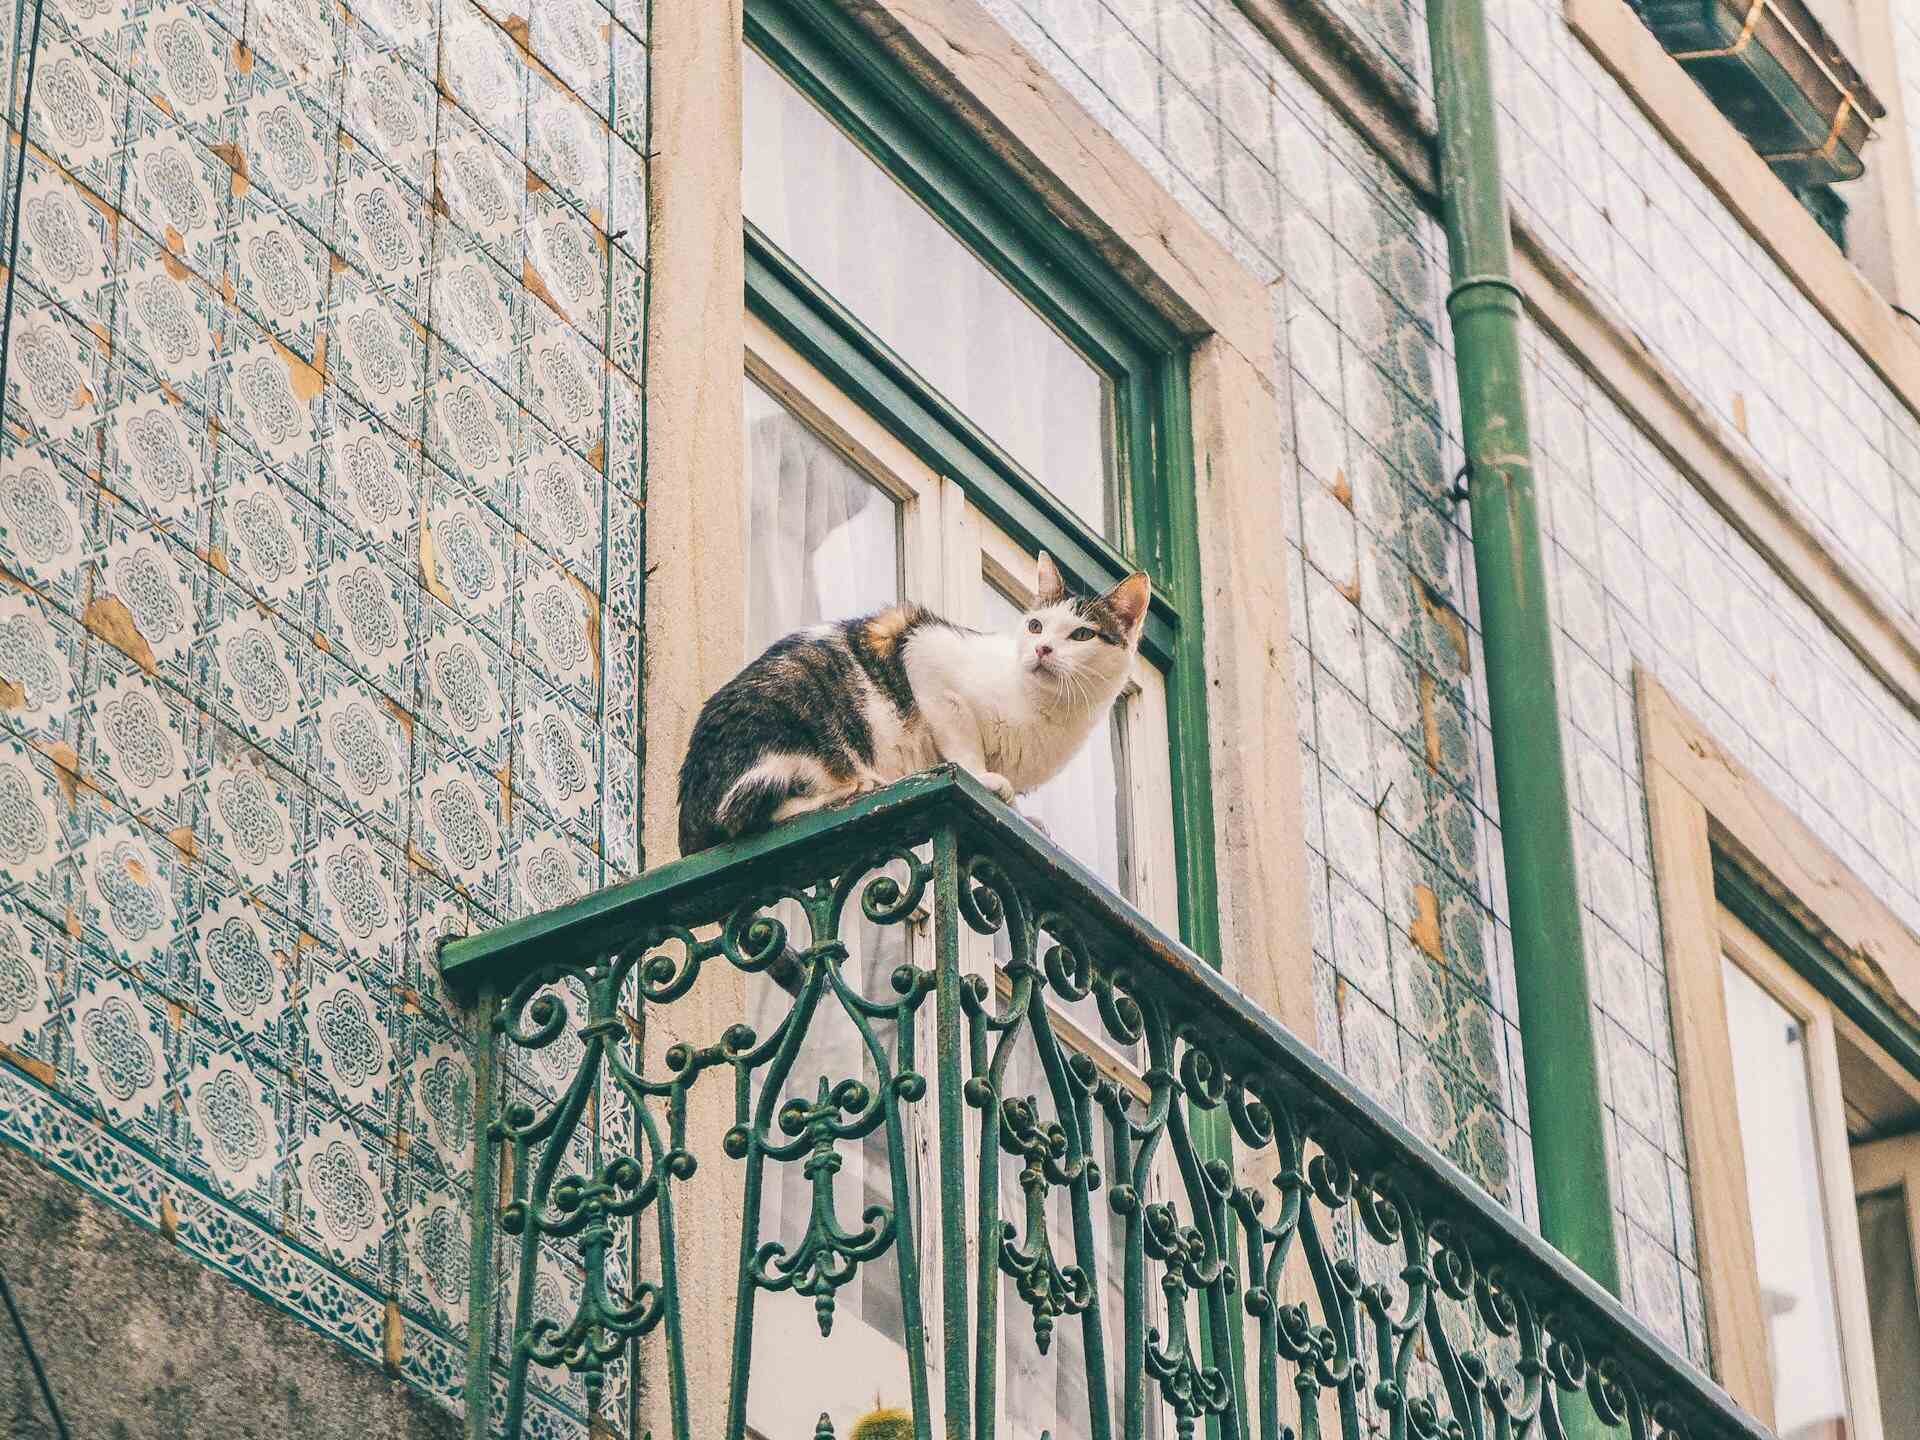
[1224, 1231]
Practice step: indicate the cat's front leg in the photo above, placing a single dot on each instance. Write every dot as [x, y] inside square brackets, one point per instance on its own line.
[956, 736]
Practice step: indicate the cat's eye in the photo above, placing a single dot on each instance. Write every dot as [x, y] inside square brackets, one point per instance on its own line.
[1083, 633]
[1033, 627]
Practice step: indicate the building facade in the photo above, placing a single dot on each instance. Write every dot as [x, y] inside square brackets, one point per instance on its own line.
[413, 411]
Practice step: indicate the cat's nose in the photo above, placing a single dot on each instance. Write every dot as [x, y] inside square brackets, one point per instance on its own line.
[1042, 651]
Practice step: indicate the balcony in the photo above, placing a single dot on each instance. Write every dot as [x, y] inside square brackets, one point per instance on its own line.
[1183, 1212]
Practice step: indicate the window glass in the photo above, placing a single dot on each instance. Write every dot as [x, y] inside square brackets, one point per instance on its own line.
[1886, 1249]
[904, 275]
[823, 541]
[1085, 808]
[1774, 1098]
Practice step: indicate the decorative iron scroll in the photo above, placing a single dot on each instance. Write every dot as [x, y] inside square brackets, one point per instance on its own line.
[1291, 1262]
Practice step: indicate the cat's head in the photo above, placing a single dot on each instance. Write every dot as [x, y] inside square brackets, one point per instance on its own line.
[1083, 644]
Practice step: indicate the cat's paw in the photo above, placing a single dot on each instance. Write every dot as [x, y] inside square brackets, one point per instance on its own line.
[999, 785]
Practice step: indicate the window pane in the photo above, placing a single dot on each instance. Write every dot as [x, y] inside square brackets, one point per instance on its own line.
[903, 274]
[1886, 1250]
[1775, 1102]
[823, 541]
[1085, 807]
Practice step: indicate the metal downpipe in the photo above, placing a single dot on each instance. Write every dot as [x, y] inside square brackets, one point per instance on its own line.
[1530, 772]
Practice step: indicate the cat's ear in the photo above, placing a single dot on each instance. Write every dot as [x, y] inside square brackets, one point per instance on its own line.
[1052, 589]
[1127, 602]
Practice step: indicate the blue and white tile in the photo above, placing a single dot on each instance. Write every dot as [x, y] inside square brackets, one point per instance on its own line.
[459, 826]
[340, 1189]
[47, 522]
[36, 971]
[560, 503]
[157, 453]
[473, 429]
[483, 184]
[378, 352]
[562, 378]
[369, 611]
[466, 684]
[79, 115]
[275, 403]
[236, 1107]
[253, 674]
[469, 563]
[34, 839]
[158, 585]
[480, 68]
[374, 484]
[389, 107]
[123, 1052]
[345, 1012]
[559, 630]
[277, 272]
[67, 242]
[144, 742]
[356, 891]
[256, 819]
[361, 751]
[176, 188]
[264, 529]
[42, 652]
[56, 381]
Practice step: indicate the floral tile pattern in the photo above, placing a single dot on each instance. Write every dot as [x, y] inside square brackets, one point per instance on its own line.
[284, 434]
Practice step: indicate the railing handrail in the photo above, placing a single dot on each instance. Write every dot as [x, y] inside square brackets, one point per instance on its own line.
[700, 888]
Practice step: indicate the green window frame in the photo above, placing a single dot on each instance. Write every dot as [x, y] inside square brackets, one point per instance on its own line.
[978, 198]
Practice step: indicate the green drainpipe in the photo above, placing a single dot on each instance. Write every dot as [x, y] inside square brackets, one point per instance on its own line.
[1543, 890]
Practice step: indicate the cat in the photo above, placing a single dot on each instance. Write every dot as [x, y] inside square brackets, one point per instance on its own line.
[841, 709]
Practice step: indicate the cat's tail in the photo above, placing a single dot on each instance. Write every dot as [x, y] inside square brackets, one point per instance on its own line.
[745, 807]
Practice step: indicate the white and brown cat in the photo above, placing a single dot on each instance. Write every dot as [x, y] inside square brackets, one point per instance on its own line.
[837, 710]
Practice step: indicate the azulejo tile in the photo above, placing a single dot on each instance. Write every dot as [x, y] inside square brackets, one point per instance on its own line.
[575, 38]
[466, 684]
[123, 1052]
[567, 147]
[405, 28]
[57, 380]
[620, 815]
[277, 272]
[33, 828]
[476, 304]
[341, 1177]
[300, 39]
[439, 1084]
[176, 188]
[369, 611]
[253, 674]
[177, 57]
[46, 522]
[473, 429]
[620, 645]
[458, 826]
[627, 322]
[567, 266]
[625, 460]
[144, 743]
[239, 956]
[346, 1014]
[466, 556]
[374, 485]
[388, 106]
[157, 586]
[548, 868]
[166, 320]
[563, 375]
[256, 818]
[79, 111]
[629, 108]
[556, 757]
[356, 890]
[130, 882]
[435, 913]
[36, 969]
[290, 145]
[236, 1109]
[156, 453]
[378, 353]
[274, 403]
[559, 631]
[481, 70]
[382, 227]
[42, 654]
[483, 185]
[264, 530]
[67, 242]
[560, 503]
[434, 1237]
[360, 748]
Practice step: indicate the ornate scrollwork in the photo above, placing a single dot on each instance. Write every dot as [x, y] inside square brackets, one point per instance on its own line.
[1233, 1239]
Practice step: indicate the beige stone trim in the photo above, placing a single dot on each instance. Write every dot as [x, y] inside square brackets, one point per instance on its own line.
[1728, 166]
[1716, 461]
[1895, 241]
[1701, 799]
[695, 621]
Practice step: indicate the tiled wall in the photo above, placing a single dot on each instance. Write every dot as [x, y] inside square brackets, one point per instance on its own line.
[1412, 953]
[319, 639]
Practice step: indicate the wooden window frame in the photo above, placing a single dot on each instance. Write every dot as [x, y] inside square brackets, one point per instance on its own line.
[1738, 873]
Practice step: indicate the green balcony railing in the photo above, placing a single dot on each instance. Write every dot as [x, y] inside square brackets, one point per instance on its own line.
[1043, 1126]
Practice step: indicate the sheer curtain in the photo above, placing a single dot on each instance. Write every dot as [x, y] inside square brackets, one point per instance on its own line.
[823, 544]
[876, 250]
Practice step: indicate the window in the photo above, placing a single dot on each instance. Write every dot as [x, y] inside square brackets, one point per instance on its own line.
[1791, 989]
[1809, 1090]
[939, 385]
